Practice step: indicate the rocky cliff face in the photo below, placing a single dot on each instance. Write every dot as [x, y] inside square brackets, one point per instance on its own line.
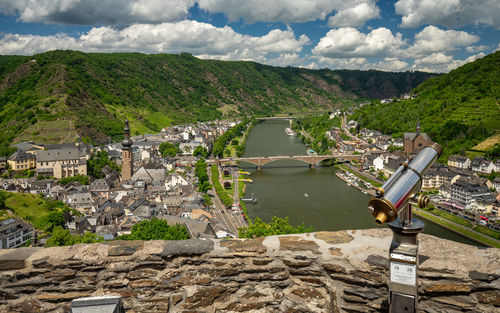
[344, 271]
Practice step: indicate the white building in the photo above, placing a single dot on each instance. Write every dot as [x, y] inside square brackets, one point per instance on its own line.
[174, 181]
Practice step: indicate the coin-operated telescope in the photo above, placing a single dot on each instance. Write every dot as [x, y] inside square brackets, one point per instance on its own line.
[391, 205]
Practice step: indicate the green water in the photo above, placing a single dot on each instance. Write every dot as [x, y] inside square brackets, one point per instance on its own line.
[281, 186]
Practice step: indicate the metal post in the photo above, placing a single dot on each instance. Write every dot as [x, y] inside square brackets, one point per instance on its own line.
[403, 269]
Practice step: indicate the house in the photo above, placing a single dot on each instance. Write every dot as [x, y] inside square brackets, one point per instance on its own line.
[188, 147]
[375, 161]
[392, 164]
[398, 143]
[107, 232]
[28, 147]
[436, 176]
[496, 183]
[41, 186]
[414, 142]
[14, 233]
[80, 224]
[149, 175]
[459, 161]
[80, 201]
[21, 160]
[59, 163]
[195, 228]
[497, 166]
[464, 192]
[100, 187]
[174, 181]
[482, 165]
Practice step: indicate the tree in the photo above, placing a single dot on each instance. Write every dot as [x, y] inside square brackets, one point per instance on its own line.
[200, 151]
[99, 161]
[82, 179]
[156, 229]
[54, 219]
[60, 237]
[168, 149]
[3, 197]
[278, 226]
[63, 237]
[201, 173]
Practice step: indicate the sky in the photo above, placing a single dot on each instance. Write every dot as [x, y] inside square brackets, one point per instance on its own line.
[402, 35]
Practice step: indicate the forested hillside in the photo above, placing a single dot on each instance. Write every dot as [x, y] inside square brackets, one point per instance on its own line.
[458, 110]
[58, 95]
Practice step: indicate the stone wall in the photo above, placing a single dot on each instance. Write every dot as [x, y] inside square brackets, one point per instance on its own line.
[342, 271]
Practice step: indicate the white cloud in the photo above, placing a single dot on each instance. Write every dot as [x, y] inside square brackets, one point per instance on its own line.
[355, 16]
[432, 39]
[294, 11]
[91, 12]
[475, 49]
[204, 40]
[450, 13]
[386, 64]
[440, 63]
[349, 42]
[435, 58]
[125, 12]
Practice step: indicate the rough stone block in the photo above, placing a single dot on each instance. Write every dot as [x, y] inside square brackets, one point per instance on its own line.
[11, 259]
[295, 243]
[187, 247]
[333, 238]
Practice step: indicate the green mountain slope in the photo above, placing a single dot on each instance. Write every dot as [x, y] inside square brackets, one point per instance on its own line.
[458, 110]
[58, 95]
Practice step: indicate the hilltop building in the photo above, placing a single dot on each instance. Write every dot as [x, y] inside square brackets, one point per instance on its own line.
[21, 160]
[62, 162]
[127, 164]
[414, 142]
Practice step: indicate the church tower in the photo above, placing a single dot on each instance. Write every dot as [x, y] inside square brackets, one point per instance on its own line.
[127, 164]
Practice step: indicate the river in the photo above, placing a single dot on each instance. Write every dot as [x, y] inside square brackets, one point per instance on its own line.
[313, 196]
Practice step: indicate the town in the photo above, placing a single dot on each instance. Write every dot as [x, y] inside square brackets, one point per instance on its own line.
[464, 187]
[149, 185]
[158, 179]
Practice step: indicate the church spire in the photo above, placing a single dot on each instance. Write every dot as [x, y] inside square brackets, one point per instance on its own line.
[418, 127]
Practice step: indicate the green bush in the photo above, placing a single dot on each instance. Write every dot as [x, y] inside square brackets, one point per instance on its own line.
[278, 226]
[156, 229]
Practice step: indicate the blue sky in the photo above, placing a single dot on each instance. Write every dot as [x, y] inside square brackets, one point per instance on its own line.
[401, 35]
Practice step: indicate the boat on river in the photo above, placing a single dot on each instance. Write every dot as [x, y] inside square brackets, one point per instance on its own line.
[289, 131]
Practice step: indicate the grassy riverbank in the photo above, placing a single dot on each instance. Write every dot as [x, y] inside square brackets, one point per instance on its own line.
[466, 232]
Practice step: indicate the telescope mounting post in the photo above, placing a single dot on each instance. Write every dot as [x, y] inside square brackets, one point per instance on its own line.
[403, 258]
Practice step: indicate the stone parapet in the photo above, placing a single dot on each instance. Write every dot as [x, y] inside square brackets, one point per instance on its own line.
[343, 271]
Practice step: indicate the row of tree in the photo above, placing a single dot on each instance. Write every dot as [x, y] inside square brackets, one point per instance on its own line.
[224, 197]
[224, 139]
[200, 170]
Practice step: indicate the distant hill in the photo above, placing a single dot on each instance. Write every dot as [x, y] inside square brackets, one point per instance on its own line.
[58, 95]
[458, 109]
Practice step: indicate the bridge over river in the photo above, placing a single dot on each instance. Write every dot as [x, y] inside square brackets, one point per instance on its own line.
[312, 160]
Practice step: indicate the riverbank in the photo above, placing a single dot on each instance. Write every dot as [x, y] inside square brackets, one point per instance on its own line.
[344, 179]
[457, 228]
[360, 175]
